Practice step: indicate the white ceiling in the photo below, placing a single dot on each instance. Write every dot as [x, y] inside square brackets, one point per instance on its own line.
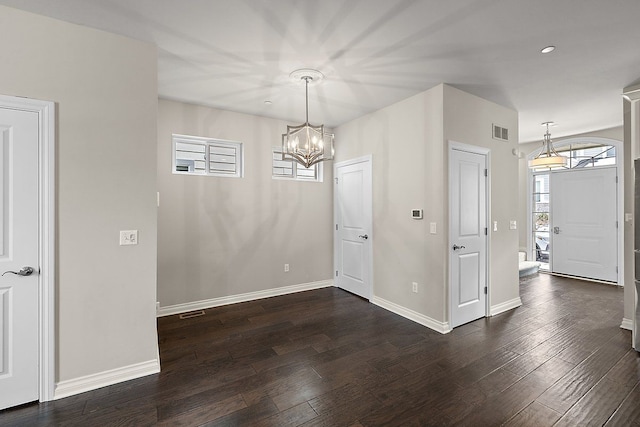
[236, 54]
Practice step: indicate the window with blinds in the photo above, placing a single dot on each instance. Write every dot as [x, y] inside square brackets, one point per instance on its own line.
[288, 169]
[193, 155]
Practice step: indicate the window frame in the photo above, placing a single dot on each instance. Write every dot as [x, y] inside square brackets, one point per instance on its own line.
[207, 143]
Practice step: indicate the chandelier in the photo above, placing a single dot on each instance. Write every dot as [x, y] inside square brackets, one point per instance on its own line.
[307, 144]
[548, 157]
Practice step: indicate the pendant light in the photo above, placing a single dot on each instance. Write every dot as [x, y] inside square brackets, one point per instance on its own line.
[548, 156]
[305, 143]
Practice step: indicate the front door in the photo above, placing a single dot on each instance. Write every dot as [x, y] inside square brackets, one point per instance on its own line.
[584, 220]
[19, 312]
[467, 228]
[353, 217]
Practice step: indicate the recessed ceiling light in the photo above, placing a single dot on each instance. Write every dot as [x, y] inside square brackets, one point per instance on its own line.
[548, 49]
[267, 102]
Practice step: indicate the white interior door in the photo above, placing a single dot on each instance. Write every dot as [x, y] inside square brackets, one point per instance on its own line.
[467, 228]
[19, 312]
[353, 217]
[584, 220]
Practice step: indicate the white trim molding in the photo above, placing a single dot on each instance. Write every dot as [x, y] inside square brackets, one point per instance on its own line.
[233, 299]
[486, 152]
[46, 112]
[505, 306]
[106, 378]
[627, 324]
[442, 327]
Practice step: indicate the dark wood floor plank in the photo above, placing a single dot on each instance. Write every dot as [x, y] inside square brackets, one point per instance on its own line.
[572, 387]
[599, 404]
[628, 413]
[198, 411]
[290, 417]
[328, 358]
[534, 415]
[505, 405]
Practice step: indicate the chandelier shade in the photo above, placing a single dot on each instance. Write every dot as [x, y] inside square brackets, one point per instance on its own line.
[307, 144]
[548, 157]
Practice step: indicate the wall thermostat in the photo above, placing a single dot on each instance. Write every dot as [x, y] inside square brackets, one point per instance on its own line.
[416, 213]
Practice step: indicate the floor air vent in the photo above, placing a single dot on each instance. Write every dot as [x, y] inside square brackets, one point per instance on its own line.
[500, 133]
[191, 314]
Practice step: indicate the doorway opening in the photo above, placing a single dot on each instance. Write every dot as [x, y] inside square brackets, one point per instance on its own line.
[42, 124]
[468, 233]
[556, 210]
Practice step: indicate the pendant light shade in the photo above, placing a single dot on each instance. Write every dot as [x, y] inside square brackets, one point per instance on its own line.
[307, 144]
[548, 157]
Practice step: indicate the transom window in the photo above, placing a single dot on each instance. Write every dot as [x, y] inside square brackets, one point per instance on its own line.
[194, 155]
[587, 155]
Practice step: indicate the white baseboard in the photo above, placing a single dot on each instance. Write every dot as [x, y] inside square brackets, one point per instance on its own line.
[505, 306]
[442, 327]
[627, 324]
[232, 299]
[102, 379]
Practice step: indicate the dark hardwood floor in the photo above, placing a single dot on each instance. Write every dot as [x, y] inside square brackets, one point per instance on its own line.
[328, 358]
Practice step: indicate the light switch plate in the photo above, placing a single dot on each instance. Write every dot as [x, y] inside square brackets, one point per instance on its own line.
[128, 237]
[495, 225]
[432, 228]
[513, 225]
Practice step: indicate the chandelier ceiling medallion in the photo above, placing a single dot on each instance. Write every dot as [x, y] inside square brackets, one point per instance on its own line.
[307, 144]
[548, 156]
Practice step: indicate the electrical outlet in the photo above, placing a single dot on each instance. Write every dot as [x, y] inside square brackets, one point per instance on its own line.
[415, 287]
[286, 268]
[432, 228]
[128, 237]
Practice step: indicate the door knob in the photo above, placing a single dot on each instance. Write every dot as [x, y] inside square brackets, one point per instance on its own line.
[24, 271]
[456, 247]
[363, 236]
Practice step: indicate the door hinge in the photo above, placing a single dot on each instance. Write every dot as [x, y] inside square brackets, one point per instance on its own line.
[616, 224]
[616, 179]
[486, 290]
[336, 227]
[486, 172]
[336, 273]
[486, 231]
[616, 269]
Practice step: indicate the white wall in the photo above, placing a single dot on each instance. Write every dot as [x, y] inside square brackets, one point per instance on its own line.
[220, 236]
[469, 119]
[105, 91]
[408, 141]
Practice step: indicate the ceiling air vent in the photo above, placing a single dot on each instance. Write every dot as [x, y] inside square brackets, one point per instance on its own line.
[500, 133]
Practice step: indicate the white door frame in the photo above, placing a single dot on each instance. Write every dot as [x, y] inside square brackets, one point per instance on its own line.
[620, 195]
[364, 159]
[46, 237]
[453, 145]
